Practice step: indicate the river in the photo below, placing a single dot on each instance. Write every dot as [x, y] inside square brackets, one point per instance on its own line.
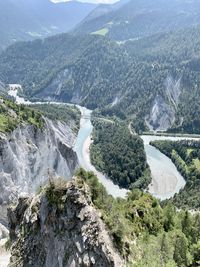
[166, 180]
[82, 144]
[82, 148]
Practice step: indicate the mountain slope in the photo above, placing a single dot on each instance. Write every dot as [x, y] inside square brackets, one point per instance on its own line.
[153, 81]
[139, 18]
[25, 20]
[103, 9]
[176, 53]
[78, 67]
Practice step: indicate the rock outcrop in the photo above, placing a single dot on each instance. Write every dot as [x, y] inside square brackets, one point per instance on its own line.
[162, 115]
[3, 232]
[28, 154]
[163, 111]
[60, 228]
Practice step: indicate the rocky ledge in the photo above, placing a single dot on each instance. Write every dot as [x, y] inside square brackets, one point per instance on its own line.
[60, 227]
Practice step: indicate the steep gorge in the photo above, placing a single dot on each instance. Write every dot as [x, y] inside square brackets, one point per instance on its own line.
[29, 155]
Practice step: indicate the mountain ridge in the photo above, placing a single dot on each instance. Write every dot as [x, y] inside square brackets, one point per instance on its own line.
[136, 19]
[27, 20]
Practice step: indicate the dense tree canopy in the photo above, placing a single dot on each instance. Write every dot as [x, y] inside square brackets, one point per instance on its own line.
[119, 154]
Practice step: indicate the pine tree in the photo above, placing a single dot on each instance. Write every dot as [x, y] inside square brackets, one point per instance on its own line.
[165, 249]
[181, 256]
[187, 224]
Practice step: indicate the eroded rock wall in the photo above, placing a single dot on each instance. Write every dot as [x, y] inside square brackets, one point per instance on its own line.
[60, 228]
[28, 155]
[163, 112]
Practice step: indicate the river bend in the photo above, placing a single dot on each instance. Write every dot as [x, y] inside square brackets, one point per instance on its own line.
[166, 180]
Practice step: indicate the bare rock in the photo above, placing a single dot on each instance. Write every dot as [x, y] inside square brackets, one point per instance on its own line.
[163, 111]
[28, 154]
[61, 228]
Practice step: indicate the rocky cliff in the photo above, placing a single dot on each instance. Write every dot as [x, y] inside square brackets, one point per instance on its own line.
[162, 115]
[28, 154]
[60, 227]
[163, 112]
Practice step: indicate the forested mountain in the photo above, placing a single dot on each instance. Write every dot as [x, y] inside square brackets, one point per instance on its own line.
[133, 80]
[30, 19]
[102, 9]
[139, 18]
[175, 53]
[65, 67]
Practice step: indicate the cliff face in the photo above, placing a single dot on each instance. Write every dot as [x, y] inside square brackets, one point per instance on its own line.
[28, 154]
[60, 227]
[162, 115]
[163, 111]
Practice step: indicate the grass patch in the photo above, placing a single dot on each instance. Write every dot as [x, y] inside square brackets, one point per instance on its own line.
[102, 32]
[110, 23]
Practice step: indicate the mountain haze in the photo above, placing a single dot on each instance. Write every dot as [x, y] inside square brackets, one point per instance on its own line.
[136, 19]
[25, 20]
